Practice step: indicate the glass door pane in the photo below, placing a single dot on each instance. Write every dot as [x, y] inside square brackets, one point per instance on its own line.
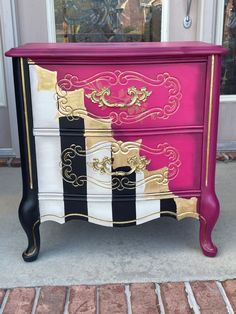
[228, 85]
[108, 20]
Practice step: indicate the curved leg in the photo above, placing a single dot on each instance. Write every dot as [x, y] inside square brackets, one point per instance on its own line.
[209, 213]
[28, 214]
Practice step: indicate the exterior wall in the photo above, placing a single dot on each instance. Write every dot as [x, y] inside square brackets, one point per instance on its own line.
[32, 21]
[5, 134]
[227, 126]
[177, 14]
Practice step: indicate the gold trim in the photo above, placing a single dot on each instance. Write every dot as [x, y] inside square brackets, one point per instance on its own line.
[137, 164]
[209, 118]
[30, 61]
[34, 239]
[26, 125]
[70, 81]
[162, 177]
[98, 97]
[178, 216]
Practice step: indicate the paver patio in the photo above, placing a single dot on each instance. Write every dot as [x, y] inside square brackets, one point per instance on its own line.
[136, 298]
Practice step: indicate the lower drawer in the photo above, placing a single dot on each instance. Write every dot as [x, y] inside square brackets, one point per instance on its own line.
[115, 212]
[118, 164]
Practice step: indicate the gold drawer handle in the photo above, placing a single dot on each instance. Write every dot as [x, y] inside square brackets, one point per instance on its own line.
[138, 96]
[136, 164]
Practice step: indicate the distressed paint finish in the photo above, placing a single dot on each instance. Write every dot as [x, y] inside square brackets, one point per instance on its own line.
[148, 93]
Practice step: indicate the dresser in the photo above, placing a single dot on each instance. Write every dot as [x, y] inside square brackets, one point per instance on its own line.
[117, 134]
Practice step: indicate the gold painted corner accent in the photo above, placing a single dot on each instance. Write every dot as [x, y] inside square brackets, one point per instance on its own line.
[210, 118]
[30, 61]
[136, 164]
[138, 96]
[26, 124]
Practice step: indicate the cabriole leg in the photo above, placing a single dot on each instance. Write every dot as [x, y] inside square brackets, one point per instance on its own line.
[30, 223]
[209, 213]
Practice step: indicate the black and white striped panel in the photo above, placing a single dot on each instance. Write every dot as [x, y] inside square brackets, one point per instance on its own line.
[60, 200]
[117, 206]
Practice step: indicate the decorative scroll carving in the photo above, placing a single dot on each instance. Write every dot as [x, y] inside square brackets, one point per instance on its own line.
[70, 82]
[162, 177]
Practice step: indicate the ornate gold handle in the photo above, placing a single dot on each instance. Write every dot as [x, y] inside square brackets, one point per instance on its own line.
[136, 164]
[138, 96]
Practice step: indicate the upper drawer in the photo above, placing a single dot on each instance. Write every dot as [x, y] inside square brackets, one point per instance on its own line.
[128, 96]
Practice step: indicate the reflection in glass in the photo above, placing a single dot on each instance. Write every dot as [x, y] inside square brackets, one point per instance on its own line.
[228, 84]
[108, 20]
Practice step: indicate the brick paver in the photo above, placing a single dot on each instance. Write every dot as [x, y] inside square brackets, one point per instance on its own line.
[115, 299]
[144, 299]
[82, 300]
[51, 300]
[174, 298]
[112, 299]
[208, 297]
[2, 295]
[230, 290]
[20, 301]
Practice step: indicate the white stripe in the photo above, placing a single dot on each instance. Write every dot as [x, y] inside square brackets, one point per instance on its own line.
[44, 104]
[145, 206]
[158, 292]
[128, 298]
[98, 209]
[97, 301]
[36, 299]
[191, 299]
[227, 303]
[67, 302]
[48, 152]
[4, 302]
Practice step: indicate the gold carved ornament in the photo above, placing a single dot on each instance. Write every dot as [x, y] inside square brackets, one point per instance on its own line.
[72, 82]
[138, 96]
[161, 178]
[136, 164]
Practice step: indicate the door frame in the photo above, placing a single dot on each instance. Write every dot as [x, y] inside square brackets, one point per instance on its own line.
[9, 40]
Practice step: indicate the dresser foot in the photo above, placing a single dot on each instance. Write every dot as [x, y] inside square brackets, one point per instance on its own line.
[208, 217]
[32, 251]
[29, 218]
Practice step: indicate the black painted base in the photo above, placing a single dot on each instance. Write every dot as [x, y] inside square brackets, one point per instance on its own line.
[31, 253]
[29, 218]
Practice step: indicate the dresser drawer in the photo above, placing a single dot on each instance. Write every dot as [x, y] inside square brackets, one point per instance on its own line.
[128, 96]
[124, 164]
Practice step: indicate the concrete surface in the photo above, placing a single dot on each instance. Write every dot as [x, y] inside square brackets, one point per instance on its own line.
[79, 252]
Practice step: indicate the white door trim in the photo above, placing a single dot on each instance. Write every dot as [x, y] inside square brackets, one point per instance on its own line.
[206, 28]
[51, 21]
[9, 40]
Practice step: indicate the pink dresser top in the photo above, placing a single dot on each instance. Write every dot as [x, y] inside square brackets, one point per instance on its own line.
[99, 50]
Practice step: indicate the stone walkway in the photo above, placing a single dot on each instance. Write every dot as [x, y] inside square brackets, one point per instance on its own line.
[137, 298]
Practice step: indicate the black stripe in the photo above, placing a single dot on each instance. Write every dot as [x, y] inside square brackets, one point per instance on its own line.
[123, 211]
[168, 205]
[79, 168]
